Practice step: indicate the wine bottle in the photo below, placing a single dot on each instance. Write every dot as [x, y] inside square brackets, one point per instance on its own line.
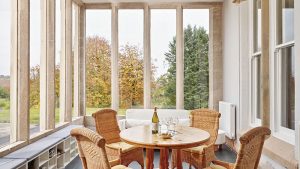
[155, 121]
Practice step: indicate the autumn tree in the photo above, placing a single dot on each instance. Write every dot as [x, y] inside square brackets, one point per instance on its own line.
[34, 81]
[98, 72]
[131, 77]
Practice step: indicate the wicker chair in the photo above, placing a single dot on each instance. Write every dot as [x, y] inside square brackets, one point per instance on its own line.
[107, 126]
[92, 152]
[201, 156]
[249, 155]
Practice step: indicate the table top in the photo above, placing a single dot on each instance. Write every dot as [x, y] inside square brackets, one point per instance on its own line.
[186, 137]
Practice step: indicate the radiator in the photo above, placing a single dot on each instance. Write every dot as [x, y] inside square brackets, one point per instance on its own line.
[227, 120]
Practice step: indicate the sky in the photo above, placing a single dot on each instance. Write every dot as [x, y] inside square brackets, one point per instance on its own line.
[163, 29]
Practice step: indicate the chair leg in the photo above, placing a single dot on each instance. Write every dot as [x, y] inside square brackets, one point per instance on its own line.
[174, 159]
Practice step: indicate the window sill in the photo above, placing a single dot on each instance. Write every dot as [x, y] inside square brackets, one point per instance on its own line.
[281, 152]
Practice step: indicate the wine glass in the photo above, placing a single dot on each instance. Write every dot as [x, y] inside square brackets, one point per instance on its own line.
[175, 122]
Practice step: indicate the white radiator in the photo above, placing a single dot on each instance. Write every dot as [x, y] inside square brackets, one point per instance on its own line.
[227, 120]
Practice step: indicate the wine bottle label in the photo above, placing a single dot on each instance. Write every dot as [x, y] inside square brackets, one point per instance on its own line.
[154, 126]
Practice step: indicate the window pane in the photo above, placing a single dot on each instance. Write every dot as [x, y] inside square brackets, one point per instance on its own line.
[72, 59]
[35, 55]
[131, 67]
[287, 58]
[163, 57]
[257, 26]
[98, 60]
[5, 39]
[285, 21]
[196, 26]
[57, 58]
[256, 83]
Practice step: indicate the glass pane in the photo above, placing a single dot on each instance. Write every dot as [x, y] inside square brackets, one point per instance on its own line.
[257, 26]
[131, 64]
[98, 60]
[288, 87]
[196, 89]
[72, 59]
[35, 55]
[285, 21]
[163, 57]
[5, 39]
[256, 91]
[57, 58]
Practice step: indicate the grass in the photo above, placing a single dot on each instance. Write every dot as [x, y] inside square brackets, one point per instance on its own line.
[35, 113]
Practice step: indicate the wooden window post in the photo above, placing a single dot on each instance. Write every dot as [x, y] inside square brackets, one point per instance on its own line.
[47, 70]
[20, 49]
[147, 58]
[179, 59]
[66, 62]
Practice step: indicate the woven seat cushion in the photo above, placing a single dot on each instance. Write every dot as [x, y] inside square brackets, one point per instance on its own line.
[214, 166]
[198, 149]
[120, 167]
[121, 145]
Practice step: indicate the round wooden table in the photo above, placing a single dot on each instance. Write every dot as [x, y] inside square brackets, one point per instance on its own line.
[186, 137]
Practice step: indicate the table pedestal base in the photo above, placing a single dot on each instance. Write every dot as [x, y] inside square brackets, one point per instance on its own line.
[164, 159]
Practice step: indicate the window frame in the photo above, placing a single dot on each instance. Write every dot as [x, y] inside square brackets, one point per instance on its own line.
[254, 53]
[280, 132]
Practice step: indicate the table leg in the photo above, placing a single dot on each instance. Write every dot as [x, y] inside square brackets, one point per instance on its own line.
[178, 160]
[164, 158]
[149, 158]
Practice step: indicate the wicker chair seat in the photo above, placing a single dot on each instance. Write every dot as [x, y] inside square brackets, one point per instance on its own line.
[120, 167]
[214, 166]
[197, 150]
[124, 147]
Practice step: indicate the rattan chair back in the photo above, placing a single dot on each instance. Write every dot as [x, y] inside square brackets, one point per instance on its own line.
[91, 147]
[207, 120]
[107, 125]
[252, 144]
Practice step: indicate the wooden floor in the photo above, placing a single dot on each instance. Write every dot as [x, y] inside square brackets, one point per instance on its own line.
[225, 154]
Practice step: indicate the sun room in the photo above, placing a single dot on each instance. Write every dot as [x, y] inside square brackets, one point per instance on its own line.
[62, 60]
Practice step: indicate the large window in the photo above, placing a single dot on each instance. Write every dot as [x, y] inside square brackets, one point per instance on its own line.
[196, 79]
[73, 58]
[285, 66]
[163, 57]
[131, 68]
[35, 57]
[57, 58]
[98, 60]
[256, 65]
[5, 11]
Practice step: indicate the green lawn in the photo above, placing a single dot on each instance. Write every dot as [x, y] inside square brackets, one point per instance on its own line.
[35, 115]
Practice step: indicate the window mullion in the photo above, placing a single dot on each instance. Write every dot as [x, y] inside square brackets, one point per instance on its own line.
[179, 59]
[147, 58]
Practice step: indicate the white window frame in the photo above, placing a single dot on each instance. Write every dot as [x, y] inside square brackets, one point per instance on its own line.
[283, 133]
[254, 121]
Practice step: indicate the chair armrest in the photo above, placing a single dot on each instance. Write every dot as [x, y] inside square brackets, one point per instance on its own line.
[209, 154]
[122, 124]
[114, 162]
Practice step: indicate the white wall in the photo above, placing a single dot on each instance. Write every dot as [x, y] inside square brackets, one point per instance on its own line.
[236, 59]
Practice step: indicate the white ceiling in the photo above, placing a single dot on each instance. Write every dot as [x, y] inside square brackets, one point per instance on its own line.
[149, 1]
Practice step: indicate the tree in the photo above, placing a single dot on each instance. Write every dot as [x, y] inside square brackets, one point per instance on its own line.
[98, 72]
[196, 75]
[131, 77]
[34, 87]
[4, 93]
